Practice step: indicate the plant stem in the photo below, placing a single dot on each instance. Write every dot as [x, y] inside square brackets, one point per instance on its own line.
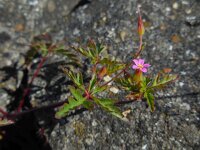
[27, 90]
[3, 112]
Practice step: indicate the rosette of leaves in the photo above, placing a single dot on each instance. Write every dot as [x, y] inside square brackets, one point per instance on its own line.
[87, 95]
[147, 87]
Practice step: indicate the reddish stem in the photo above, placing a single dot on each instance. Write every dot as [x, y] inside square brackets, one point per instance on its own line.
[27, 90]
[3, 112]
[43, 59]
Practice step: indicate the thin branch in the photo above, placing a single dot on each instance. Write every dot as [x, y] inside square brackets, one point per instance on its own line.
[4, 113]
[27, 90]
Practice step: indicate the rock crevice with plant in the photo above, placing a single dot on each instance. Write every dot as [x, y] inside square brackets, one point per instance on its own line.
[86, 92]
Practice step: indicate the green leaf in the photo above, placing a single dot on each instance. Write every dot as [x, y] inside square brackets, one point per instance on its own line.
[112, 65]
[87, 104]
[150, 99]
[128, 84]
[108, 105]
[92, 82]
[162, 80]
[98, 89]
[92, 51]
[76, 78]
[66, 53]
[72, 103]
[76, 93]
[100, 48]
[144, 84]
[44, 49]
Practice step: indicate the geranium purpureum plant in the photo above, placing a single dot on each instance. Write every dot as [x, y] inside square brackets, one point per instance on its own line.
[130, 77]
[105, 75]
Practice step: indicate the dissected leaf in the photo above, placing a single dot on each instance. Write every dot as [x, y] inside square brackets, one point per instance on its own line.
[92, 51]
[92, 82]
[150, 99]
[161, 81]
[76, 93]
[88, 104]
[61, 50]
[144, 84]
[128, 84]
[112, 66]
[100, 48]
[98, 89]
[72, 103]
[76, 78]
[108, 105]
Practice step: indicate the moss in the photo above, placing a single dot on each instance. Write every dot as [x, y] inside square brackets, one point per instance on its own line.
[79, 129]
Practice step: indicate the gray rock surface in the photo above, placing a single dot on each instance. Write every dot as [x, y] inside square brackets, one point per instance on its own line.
[172, 40]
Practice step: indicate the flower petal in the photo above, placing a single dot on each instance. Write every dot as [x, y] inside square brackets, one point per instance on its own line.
[141, 61]
[146, 65]
[144, 70]
[135, 67]
[136, 61]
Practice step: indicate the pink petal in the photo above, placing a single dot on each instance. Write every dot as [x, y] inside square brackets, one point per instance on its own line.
[144, 70]
[146, 65]
[135, 67]
[141, 61]
[136, 61]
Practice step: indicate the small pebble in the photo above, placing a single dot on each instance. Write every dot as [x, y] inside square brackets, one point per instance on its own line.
[94, 123]
[123, 35]
[107, 130]
[188, 11]
[185, 106]
[107, 78]
[183, 73]
[175, 5]
[114, 90]
[19, 27]
[89, 140]
[185, 2]
[76, 31]
[168, 9]
[51, 6]
[171, 47]
[144, 147]
[104, 18]
[181, 84]
[33, 2]
[53, 134]
[193, 20]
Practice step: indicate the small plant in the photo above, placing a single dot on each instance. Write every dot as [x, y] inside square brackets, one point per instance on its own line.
[105, 74]
[105, 70]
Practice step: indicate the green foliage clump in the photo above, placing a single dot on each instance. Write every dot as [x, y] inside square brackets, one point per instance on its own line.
[88, 94]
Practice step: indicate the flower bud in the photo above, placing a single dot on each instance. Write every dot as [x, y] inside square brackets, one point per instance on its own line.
[140, 26]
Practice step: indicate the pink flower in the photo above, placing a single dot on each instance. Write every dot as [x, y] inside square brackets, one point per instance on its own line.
[140, 65]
